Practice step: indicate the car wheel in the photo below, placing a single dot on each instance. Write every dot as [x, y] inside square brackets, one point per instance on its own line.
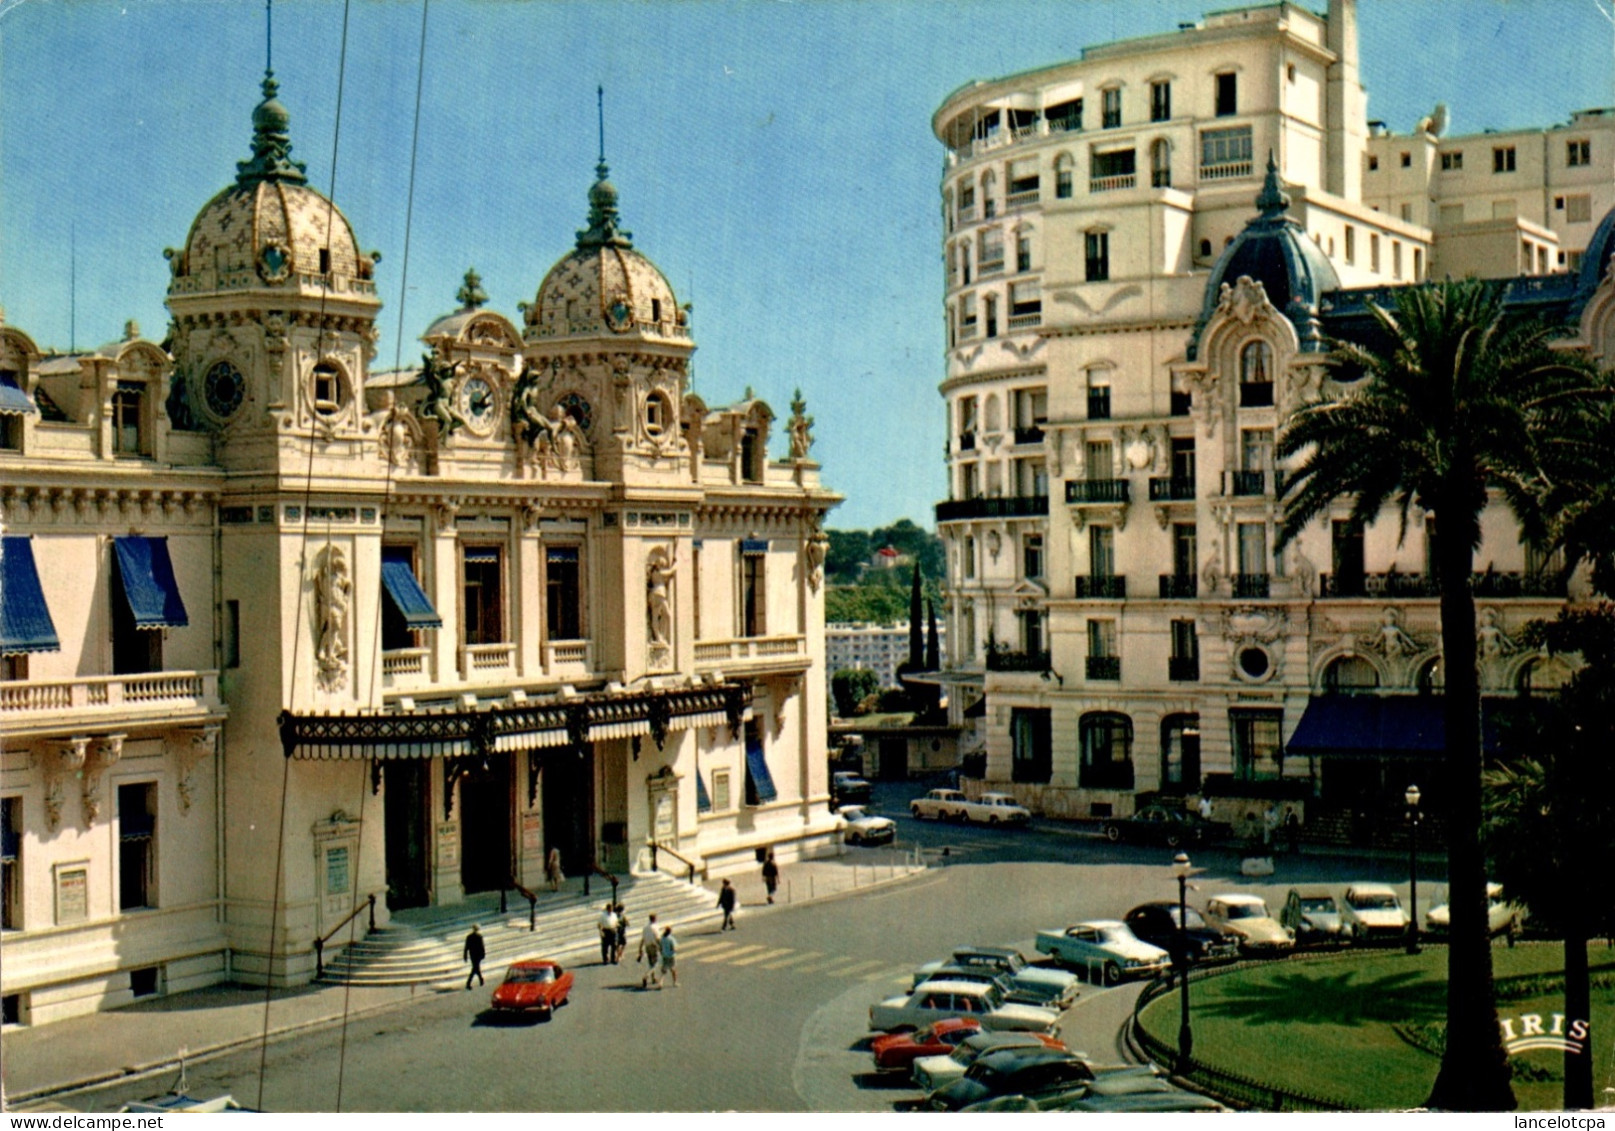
[1113, 833]
[1173, 840]
[1113, 974]
[992, 821]
[914, 811]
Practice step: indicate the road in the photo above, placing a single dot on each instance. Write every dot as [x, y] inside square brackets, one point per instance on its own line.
[771, 1017]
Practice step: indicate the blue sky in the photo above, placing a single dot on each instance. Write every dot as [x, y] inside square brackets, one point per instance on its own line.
[774, 158]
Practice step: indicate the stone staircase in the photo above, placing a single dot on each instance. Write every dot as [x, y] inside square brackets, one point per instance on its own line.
[425, 945]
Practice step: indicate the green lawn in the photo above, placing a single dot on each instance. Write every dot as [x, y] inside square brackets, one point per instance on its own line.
[1365, 1028]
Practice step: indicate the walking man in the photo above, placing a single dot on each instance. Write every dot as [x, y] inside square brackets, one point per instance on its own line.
[608, 936]
[726, 903]
[770, 875]
[670, 950]
[650, 950]
[475, 951]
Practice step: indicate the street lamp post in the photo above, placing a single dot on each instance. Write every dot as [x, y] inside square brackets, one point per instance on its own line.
[1413, 816]
[1181, 868]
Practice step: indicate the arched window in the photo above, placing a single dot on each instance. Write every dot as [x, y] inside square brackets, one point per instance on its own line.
[1107, 750]
[1064, 176]
[1349, 674]
[1431, 680]
[1544, 673]
[1180, 754]
[1205, 249]
[1256, 375]
[1161, 163]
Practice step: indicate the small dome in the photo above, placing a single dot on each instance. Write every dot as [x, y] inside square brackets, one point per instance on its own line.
[604, 285]
[1595, 260]
[1275, 251]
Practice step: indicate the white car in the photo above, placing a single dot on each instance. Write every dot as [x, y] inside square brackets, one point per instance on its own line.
[860, 826]
[1500, 915]
[935, 1000]
[1105, 946]
[939, 805]
[933, 1072]
[1247, 918]
[1373, 911]
[997, 809]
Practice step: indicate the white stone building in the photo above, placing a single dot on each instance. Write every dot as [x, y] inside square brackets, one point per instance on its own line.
[270, 614]
[1124, 339]
[878, 647]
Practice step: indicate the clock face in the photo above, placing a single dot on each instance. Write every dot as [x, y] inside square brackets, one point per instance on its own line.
[478, 404]
[223, 388]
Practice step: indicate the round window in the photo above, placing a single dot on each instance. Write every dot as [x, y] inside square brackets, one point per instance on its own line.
[1253, 662]
[223, 389]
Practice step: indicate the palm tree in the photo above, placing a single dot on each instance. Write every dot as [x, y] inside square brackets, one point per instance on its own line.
[1457, 403]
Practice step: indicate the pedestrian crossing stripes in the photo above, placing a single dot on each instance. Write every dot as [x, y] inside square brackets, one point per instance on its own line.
[731, 952]
[799, 956]
[767, 954]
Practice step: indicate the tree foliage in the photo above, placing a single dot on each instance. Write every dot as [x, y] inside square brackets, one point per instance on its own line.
[850, 687]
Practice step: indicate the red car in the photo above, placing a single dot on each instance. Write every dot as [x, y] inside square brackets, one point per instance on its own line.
[535, 986]
[897, 1052]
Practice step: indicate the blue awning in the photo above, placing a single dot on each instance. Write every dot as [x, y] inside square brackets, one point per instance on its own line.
[13, 401]
[703, 801]
[25, 624]
[1371, 726]
[148, 582]
[561, 554]
[759, 782]
[754, 545]
[481, 554]
[405, 592]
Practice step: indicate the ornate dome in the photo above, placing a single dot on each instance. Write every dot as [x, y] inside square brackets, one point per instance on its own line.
[269, 226]
[1595, 260]
[1275, 251]
[604, 285]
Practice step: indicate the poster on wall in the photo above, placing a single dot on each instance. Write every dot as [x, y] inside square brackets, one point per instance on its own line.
[72, 893]
[448, 845]
[532, 834]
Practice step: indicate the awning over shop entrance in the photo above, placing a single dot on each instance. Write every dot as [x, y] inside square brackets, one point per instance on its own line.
[1382, 726]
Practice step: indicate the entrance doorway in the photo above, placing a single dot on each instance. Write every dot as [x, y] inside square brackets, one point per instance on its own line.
[485, 809]
[406, 830]
[569, 807]
[893, 759]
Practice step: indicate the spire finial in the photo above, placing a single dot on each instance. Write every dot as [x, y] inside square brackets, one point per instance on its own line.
[269, 37]
[600, 108]
[1273, 201]
[602, 229]
[271, 144]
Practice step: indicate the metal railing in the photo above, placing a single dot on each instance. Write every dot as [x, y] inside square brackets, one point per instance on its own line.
[1179, 586]
[655, 859]
[1096, 491]
[1107, 668]
[1251, 584]
[1029, 435]
[1171, 490]
[319, 943]
[596, 870]
[1183, 669]
[1012, 506]
[1003, 660]
[1247, 482]
[532, 902]
[1108, 586]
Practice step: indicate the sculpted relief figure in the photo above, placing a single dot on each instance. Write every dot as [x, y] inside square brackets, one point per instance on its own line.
[800, 428]
[659, 571]
[566, 438]
[1493, 641]
[1391, 639]
[333, 595]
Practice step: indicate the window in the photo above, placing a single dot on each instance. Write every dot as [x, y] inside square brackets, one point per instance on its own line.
[1064, 115]
[991, 255]
[1102, 551]
[1032, 555]
[1256, 375]
[1023, 252]
[137, 849]
[1111, 112]
[1107, 750]
[1373, 252]
[1115, 169]
[759, 781]
[128, 419]
[695, 586]
[1160, 101]
[969, 555]
[967, 201]
[327, 388]
[482, 589]
[1348, 675]
[1503, 159]
[1351, 240]
[1452, 161]
[753, 595]
[1099, 400]
[1031, 744]
[1025, 302]
[11, 863]
[1031, 478]
[752, 455]
[1227, 94]
[232, 634]
[1253, 550]
[1396, 259]
[563, 593]
[1183, 468]
[1104, 663]
[1225, 153]
[1578, 209]
[990, 314]
[1097, 248]
[1023, 179]
[1346, 557]
[1101, 459]
[1258, 754]
[1032, 633]
[1450, 214]
[1180, 753]
[989, 204]
[145, 601]
[1181, 403]
[967, 316]
[1407, 159]
[405, 608]
[1405, 211]
[1184, 559]
[1063, 178]
[1578, 153]
[970, 482]
[658, 413]
[1161, 163]
[1373, 163]
[1418, 265]
[1184, 662]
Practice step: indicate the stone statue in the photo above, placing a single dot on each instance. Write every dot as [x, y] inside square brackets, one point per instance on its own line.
[333, 593]
[815, 550]
[1391, 639]
[396, 440]
[800, 428]
[565, 438]
[1493, 641]
[1211, 572]
[439, 380]
[659, 571]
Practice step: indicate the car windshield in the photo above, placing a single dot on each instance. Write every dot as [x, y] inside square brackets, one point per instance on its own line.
[531, 974]
[1317, 906]
[923, 1036]
[1245, 910]
[1011, 962]
[1374, 901]
[1116, 934]
[1193, 918]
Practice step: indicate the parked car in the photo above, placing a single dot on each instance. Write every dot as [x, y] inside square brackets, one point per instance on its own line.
[1036, 985]
[1247, 918]
[1169, 1100]
[897, 1052]
[863, 827]
[933, 1001]
[1011, 1072]
[848, 788]
[939, 805]
[1159, 824]
[932, 1072]
[1373, 911]
[1157, 924]
[1314, 917]
[1106, 945]
[1126, 1080]
[1501, 915]
[535, 986]
[997, 809]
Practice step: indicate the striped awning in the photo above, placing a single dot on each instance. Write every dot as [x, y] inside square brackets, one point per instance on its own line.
[573, 722]
[25, 621]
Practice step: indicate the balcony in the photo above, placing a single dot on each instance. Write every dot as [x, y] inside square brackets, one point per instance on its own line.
[95, 701]
[1096, 491]
[1183, 669]
[990, 266]
[1179, 586]
[1111, 184]
[405, 667]
[1256, 394]
[1014, 506]
[1492, 584]
[478, 661]
[967, 441]
[1394, 584]
[752, 651]
[1032, 435]
[1227, 171]
[1104, 667]
[1250, 584]
[1000, 659]
[1101, 586]
[967, 329]
[1026, 321]
[1247, 483]
[1171, 490]
[566, 657]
